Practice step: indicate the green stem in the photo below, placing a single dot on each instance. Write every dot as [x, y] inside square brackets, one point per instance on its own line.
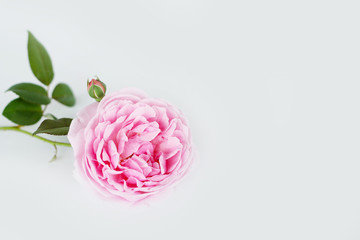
[18, 129]
[47, 94]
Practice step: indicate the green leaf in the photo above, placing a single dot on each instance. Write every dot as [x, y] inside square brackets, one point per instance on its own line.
[31, 93]
[22, 113]
[54, 127]
[40, 61]
[63, 94]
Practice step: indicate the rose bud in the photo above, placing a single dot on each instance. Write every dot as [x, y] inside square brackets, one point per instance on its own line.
[96, 88]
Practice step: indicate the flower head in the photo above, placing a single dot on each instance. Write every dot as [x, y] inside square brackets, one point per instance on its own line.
[131, 146]
[96, 88]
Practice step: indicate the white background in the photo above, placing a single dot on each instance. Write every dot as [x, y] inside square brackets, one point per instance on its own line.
[270, 88]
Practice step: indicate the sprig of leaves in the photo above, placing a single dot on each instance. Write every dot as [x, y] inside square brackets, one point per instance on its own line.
[33, 99]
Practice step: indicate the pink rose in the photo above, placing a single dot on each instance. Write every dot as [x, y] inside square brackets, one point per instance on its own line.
[131, 146]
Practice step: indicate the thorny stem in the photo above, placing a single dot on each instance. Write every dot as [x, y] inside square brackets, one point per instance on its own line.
[18, 129]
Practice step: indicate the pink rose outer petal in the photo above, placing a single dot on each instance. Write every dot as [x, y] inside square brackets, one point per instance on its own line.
[130, 146]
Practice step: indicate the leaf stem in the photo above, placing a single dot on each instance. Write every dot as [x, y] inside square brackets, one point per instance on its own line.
[55, 154]
[18, 129]
[47, 94]
[44, 109]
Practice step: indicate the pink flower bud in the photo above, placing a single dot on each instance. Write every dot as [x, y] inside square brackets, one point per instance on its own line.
[96, 88]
